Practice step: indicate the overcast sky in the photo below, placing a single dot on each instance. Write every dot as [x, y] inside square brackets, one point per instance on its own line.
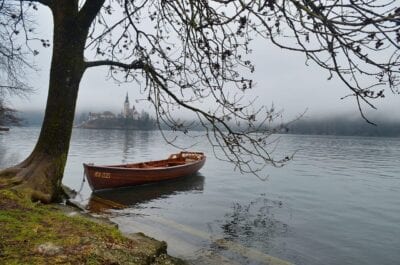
[281, 78]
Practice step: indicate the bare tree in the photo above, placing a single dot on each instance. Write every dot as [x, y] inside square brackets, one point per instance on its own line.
[13, 63]
[186, 52]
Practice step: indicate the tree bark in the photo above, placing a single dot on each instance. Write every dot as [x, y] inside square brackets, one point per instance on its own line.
[40, 175]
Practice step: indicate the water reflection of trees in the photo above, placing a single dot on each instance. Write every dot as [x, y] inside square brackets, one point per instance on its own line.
[127, 144]
[255, 221]
[134, 140]
[258, 224]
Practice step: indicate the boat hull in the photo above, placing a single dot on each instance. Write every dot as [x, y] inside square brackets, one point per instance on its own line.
[109, 177]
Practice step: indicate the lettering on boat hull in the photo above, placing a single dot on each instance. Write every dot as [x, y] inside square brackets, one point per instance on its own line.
[102, 175]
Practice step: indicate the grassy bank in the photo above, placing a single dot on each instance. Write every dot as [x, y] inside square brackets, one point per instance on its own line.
[33, 233]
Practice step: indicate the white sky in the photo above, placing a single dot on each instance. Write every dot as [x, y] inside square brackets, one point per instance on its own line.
[281, 78]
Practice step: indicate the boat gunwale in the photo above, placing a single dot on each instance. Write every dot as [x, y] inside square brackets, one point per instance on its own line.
[122, 168]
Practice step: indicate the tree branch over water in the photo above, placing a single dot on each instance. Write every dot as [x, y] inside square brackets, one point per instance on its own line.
[196, 56]
[199, 51]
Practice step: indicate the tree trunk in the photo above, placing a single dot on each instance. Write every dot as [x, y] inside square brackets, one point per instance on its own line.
[40, 175]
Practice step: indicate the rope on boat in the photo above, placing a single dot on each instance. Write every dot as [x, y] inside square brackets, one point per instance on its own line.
[83, 181]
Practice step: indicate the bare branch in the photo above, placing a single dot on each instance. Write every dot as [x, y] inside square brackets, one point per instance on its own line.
[137, 64]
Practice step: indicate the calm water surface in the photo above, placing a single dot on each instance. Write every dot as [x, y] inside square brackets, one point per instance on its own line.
[336, 203]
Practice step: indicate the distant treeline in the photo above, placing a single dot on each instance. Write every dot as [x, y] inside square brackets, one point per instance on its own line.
[31, 118]
[341, 126]
[322, 126]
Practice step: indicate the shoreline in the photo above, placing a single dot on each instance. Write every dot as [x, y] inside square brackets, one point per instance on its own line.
[34, 233]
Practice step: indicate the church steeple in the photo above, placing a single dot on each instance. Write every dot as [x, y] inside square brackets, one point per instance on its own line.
[126, 106]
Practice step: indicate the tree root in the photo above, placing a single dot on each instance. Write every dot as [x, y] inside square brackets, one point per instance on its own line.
[9, 173]
[9, 182]
[38, 178]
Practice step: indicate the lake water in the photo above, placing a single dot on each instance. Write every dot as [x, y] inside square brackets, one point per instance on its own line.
[337, 202]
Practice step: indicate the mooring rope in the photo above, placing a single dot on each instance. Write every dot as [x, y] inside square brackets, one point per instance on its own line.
[83, 181]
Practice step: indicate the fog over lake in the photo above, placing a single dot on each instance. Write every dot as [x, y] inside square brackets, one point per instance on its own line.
[281, 78]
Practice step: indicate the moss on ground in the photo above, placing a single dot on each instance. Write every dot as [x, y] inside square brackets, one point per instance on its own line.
[33, 233]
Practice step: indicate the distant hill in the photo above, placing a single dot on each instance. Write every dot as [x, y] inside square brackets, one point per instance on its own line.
[343, 126]
[31, 118]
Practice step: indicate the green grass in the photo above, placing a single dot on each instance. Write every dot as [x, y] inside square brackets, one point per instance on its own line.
[33, 233]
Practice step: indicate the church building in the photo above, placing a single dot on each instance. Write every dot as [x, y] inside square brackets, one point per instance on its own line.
[129, 112]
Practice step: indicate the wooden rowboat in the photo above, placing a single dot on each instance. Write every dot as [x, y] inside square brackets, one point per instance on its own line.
[115, 176]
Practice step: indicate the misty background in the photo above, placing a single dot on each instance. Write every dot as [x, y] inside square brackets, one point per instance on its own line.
[281, 78]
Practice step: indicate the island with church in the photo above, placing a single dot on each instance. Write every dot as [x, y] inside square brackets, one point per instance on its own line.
[128, 119]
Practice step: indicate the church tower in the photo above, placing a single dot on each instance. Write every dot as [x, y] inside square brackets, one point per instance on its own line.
[126, 106]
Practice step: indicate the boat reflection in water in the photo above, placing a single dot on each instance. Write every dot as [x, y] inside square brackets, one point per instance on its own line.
[120, 198]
